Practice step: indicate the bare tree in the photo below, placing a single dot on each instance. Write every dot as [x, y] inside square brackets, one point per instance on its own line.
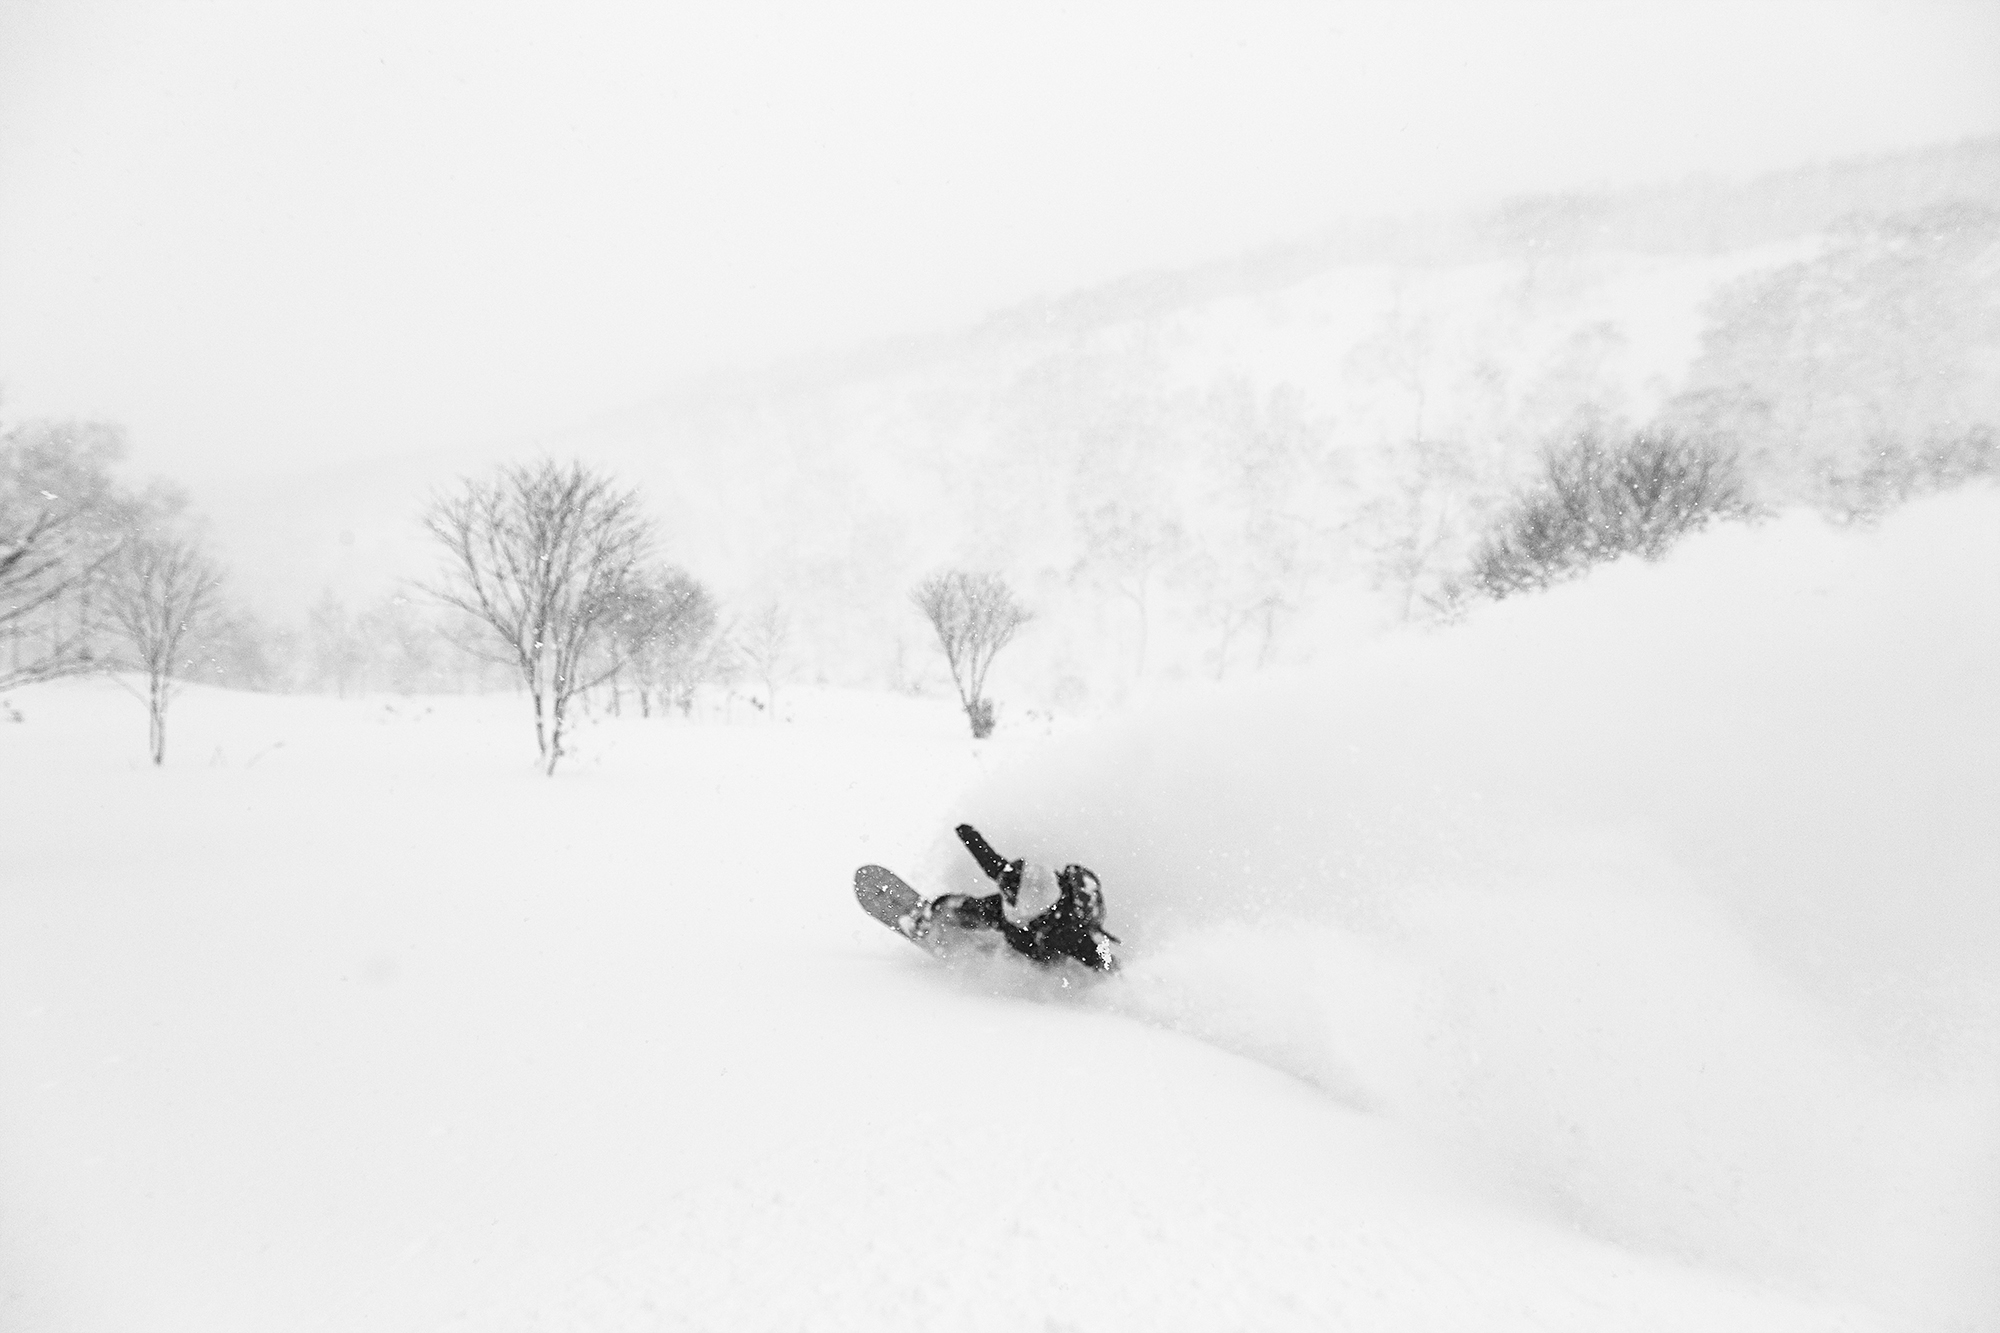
[766, 646]
[1236, 611]
[402, 645]
[1272, 486]
[688, 651]
[161, 593]
[1402, 353]
[1129, 547]
[1416, 529]
[975, 616]
[61, 520]
[542, 555]
[666, 626]
[338, 643]
[714, 660]
[238, 649]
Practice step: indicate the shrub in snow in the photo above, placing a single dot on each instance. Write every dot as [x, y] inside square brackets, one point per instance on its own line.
[1897, 474]
[1597, 500]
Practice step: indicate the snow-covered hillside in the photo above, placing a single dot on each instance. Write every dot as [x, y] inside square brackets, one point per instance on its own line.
[1246, 461]
[1624, 958]
[1667, 896]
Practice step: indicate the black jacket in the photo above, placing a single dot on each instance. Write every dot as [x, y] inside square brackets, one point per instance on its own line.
[1072, 928]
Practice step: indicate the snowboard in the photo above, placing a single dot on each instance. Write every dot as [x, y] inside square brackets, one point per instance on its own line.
[884, 895]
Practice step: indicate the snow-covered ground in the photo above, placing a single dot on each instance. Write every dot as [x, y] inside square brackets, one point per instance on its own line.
[1626, 958]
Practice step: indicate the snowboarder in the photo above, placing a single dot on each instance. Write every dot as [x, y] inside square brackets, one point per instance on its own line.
[1042, 912]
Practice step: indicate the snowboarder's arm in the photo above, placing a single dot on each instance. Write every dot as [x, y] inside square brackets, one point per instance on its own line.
[982, 851]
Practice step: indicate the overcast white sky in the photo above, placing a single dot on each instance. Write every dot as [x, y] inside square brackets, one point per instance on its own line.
[273, 236]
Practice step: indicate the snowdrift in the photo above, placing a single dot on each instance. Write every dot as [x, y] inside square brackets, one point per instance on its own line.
[1666, 899]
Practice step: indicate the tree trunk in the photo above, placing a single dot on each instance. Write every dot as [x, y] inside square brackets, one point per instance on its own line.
[1137, 594]
[1230, 625]
[156, 719]
[1270, 634]
[555, 732]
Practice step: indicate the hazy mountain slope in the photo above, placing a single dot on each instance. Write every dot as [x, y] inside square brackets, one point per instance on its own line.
[1187, 472]
[1114, 453]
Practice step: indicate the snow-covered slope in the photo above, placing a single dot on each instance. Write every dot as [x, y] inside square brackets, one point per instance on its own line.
[1623, 959]
[1667, 896]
